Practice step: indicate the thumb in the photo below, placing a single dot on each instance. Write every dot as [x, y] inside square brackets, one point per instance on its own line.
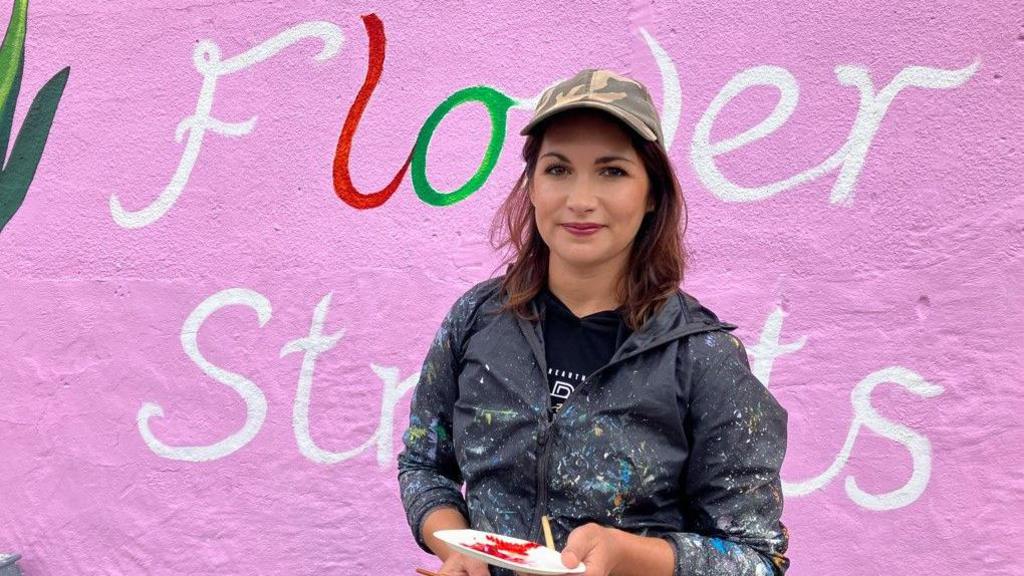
[579, 544]
[570, 558]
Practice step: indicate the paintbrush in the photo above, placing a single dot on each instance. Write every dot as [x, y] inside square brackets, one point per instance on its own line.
[548, 540]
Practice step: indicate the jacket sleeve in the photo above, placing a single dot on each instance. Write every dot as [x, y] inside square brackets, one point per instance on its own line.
[428, 474]
[732, 488]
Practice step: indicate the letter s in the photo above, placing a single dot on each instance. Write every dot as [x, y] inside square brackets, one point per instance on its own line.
[919, 447]
[255, 401]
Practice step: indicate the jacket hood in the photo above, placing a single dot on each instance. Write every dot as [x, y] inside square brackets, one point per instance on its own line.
[682, 315]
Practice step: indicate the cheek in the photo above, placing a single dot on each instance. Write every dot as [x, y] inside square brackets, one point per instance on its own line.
[628, 211]
[545, 206]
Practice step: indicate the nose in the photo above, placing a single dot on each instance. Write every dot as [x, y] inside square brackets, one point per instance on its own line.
[581, 197]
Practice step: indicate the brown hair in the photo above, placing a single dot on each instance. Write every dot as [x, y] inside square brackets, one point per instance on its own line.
[657, 259]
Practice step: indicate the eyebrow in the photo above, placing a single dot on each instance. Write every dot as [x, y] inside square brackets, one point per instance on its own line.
[601, 160]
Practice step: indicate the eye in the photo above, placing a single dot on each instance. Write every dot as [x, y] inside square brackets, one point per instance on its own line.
[555, 170]
[614, 171]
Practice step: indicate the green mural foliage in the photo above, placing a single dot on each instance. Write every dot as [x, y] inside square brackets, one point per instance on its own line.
[19, 167]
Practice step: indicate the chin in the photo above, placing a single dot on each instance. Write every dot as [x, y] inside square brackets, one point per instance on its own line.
[579, 260]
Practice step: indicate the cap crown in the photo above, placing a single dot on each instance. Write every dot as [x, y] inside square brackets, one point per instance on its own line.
[605, 90]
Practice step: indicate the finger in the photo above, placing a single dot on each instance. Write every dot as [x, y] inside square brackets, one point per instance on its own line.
[476, 567]
[452, 566]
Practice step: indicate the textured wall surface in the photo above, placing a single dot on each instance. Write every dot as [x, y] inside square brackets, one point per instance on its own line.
[214, 300]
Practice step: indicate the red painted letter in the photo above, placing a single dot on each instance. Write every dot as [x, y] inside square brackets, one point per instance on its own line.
[342, 180]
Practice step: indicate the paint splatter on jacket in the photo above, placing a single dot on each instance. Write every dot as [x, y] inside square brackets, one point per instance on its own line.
[673, 438]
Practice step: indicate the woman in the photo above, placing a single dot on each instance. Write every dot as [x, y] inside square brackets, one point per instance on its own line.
[583, 384]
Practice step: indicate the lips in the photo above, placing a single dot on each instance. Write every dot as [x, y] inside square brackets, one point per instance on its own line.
[582, 227]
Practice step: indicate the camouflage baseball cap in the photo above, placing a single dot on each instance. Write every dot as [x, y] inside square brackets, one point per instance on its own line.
[622, 97]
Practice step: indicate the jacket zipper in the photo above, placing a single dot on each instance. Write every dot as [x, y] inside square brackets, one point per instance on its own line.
[542, 436]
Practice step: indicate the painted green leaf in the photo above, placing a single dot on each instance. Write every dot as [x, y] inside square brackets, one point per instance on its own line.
[12, 53]
[28, 147]
[7, 110]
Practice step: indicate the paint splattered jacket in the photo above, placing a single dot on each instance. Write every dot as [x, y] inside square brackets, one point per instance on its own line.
[673, 438]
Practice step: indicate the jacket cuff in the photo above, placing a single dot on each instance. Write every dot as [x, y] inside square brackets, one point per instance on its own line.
[694, 557]
[429, 502]
[676, 560]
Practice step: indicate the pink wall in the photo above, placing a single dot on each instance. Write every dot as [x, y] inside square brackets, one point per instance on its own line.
[205, 353]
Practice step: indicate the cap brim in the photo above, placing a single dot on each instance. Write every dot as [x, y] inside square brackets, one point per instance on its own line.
[632, 121]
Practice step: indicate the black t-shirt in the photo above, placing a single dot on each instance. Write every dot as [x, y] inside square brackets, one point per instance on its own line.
[575, 347]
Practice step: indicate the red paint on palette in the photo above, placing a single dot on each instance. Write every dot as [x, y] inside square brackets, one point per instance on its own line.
[504, 549]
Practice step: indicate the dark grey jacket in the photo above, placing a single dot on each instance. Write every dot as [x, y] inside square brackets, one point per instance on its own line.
[673, 438]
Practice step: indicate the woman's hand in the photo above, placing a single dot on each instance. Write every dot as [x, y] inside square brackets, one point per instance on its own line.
[598, 547]
[612, 552]
[462, 565]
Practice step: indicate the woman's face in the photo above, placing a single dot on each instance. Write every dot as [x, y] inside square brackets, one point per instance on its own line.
[588, 173]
